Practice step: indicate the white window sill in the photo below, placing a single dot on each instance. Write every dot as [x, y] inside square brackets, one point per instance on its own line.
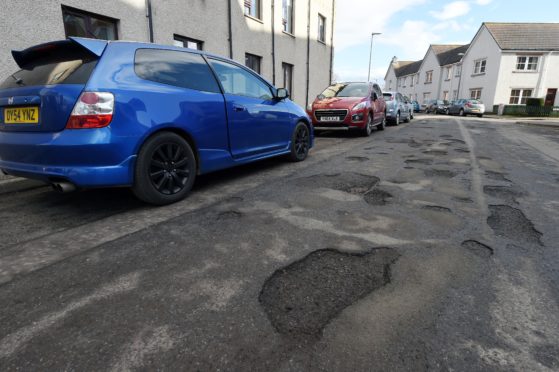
[288, 34]
[478, 74]
[525, 71]
[254, 18]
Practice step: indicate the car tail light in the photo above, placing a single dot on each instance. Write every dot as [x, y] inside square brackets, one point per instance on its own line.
[93, 110]
[468, 104]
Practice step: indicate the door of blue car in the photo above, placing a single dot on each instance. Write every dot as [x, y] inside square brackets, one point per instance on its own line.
[258, 123]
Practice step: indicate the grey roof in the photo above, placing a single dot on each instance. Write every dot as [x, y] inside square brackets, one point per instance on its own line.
[451, 55]
[408, 68]
[525, 36]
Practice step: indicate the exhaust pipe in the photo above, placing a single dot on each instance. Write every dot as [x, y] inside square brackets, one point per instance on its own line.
[63, 187]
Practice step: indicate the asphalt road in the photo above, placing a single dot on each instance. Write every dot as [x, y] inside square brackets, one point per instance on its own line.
[431, 245]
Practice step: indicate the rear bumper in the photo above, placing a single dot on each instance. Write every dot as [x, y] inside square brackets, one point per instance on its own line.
[87, 158]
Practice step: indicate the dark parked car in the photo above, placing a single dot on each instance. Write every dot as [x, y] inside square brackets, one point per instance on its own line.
[416, 106]
[437, 106]
[84, 113]
[349, 106]
[465, 107]
[396, 108]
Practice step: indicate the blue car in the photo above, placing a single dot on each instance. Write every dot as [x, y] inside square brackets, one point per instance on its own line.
[84, 113]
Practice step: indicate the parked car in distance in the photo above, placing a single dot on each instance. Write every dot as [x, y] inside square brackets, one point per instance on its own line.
[416, 106]
[465, 107]
[409, 103]
[84, 113]
[396, 108]
[437, 106]
[349, 106]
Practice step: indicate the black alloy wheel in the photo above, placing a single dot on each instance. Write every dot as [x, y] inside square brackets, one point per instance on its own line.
[300, 142]
[165, 169]
[382, 124]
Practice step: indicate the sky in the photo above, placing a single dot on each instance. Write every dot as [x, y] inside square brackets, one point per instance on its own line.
[407, 28]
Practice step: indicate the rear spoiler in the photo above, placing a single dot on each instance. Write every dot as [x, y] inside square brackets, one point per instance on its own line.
[23, 57]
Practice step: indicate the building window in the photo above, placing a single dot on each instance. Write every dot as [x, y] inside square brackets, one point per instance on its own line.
[429, 77]
[321, 28]
[252, 8]
[411, 81]
[526, 63]
[458, 71]
[417, 79]
[448, 73]
[405, 81]
[287, 16]
[288, 77]
[186, 42]
[84, 24]
[445, 95]
[390, 84]
[253, 62]
[479, 66]
[426, 96]
[518, 96]
[475, 93]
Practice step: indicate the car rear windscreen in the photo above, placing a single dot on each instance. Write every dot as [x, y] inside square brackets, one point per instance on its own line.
[62, 63]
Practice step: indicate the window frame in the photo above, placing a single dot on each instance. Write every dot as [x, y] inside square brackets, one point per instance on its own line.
[428, 77]
[254, 57]
[321, 37]
[288, 24]
[521, 97]
[288, 84]
[183, 39]
[88, 24]
[526, 64]
[250, 4]
[477, 94]
[482, 66]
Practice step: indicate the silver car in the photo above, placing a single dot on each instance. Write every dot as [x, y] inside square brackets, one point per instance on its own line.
[396, 108]
[465, 107]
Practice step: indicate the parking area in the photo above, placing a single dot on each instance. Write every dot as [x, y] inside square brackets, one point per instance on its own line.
[429, 245]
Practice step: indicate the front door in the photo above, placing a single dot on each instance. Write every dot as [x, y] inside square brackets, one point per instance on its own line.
[258, 123]
[550, 96]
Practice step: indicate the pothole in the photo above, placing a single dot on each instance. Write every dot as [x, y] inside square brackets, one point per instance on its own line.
[437, 208]
[435, 152]
[409, 167]
[504, 193]
[354, 183]
[462, 150]
[512, 224]
[414, 144]
[477, 248]
[227, 215]
[419, 161]
[357, 158]
[454, 141]
[439, 173]
[496, 176]
[302, 298]
[445, 136]
[378, 197]
[462, 200]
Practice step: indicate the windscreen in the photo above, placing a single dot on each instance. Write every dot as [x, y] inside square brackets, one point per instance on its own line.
[346, 90]
[66, 63]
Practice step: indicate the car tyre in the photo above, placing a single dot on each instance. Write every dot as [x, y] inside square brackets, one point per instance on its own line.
[479, 115]
[300, 142]
[382, 124]
[411, 115]
[397, 120]
[165, 169]
[366, 132]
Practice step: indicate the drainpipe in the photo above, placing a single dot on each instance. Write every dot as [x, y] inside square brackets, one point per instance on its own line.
[308, 52]
[273, 44]
[332, 42]
[149, 16]
[230, 29]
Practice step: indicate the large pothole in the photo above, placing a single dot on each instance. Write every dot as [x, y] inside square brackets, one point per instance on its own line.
[439, 173]
[354, 183]
[512, 224]
[302, 298]
[377, 197]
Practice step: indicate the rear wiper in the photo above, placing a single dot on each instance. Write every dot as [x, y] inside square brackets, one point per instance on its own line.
[18, 80]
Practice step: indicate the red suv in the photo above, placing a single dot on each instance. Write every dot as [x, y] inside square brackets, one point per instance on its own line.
[349, 106]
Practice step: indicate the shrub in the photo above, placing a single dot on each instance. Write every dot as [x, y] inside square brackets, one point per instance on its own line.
[535, 102]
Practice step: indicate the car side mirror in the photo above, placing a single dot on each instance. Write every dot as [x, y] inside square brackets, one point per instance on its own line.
[282, 93]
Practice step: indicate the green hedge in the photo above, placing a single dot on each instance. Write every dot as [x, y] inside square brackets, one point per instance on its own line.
[530, 111]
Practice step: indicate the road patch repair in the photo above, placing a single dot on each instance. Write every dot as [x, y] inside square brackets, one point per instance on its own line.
[303, 297]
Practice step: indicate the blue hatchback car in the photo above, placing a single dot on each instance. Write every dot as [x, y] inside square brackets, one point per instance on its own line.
[84, 113]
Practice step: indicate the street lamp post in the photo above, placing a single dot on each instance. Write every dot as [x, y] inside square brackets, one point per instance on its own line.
[371, 55]
[460, 77]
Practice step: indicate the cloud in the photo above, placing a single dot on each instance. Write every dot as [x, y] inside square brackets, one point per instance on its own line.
[414, 37]
[356, 21]
[483, 2]
[453, 10]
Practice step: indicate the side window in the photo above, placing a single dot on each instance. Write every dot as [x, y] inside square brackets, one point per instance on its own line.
[181, 69]
[238, 81]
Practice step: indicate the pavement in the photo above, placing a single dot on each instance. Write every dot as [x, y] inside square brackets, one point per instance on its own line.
[427, 246]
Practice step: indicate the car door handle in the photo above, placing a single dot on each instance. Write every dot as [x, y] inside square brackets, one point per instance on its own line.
[238, 108]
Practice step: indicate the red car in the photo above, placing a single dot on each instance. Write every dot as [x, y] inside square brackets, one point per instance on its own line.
[349, 106]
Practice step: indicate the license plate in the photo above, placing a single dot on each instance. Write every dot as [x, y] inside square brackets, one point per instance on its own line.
[21, 115]
[329, 118]
[475, 110]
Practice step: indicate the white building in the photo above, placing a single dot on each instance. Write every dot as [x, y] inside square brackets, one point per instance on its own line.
[289, 42]
[505, 63]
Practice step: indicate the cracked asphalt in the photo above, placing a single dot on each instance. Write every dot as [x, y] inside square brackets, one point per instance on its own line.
[428, 246]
